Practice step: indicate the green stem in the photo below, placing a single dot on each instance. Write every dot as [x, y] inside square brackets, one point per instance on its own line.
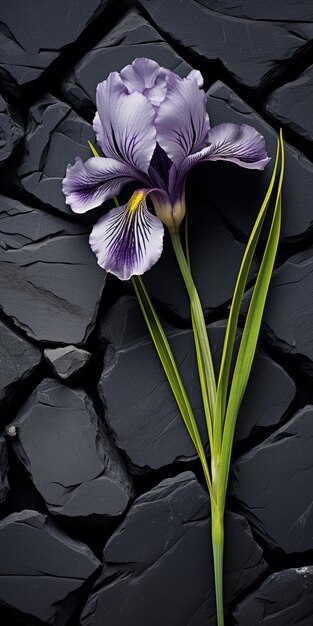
[199, 321]
[217, 532]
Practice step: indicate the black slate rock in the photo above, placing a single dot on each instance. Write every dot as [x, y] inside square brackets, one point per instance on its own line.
[159, 561]
[287, 319]
[19, 359]
[215, 259]
[238, 193]
[68, 362]
[55, 136]
[11, 131]
[253, 41]
[50, 283]
[291, 105]
[4, 469]
[140, 408]
[284, 598]
[131, 37]
[40, 567]
[68, 455]
[273, 485]
[30, 40]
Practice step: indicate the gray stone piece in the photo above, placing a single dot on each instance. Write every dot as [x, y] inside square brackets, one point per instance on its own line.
[4, 469]
[140, 408]
[55, 136]
[19, 359]
[283, 599]
[30, 40]
[67, 362]
[11, 131]
[254, 41]
[72, 462]
[158, 563]
[41, 567]
[131, 37]
[238, 193]
[50, 283]
[272, 484]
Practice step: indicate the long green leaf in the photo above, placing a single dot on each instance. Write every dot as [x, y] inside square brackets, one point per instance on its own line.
[249, 338]
[230, 334]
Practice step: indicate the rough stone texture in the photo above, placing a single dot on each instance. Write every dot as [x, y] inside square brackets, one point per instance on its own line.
[215, 257]
[55, 135]
[11, 131]
[18, 360]
[67, 363]
[4, 468]
[287, 319]
[50, 283]
[253, 43]
[273, 485]
[284, 598]
[65, 450]
[32, 39]
[40, 566]
[291, 105]
[141, 410]
[238, 195]
[131, 37]
[158, 561]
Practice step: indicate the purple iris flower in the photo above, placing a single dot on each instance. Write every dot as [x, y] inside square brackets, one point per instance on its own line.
[153, 127]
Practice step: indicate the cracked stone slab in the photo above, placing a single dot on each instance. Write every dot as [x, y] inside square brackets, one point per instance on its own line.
[273, 485]
[141, 411]
[72, 462]
[55, 136]
[50, 282]
[162, 544]
[41, 567]
[11, 131]
[131, 37]
[238, 193]
[4, 469]
[68, 362]
[283, 598]
[287, 319]
[291, 105]
[268, 39]
[30, 40]
[215, 259]
[19, 359]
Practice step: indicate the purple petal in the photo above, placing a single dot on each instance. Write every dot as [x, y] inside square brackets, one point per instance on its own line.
[197, 76]
[124, 124]
[87, 185]
[128, 240]
[241, 144]
[182, 122]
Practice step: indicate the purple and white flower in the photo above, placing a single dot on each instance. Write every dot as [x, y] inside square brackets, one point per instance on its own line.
[153, 127]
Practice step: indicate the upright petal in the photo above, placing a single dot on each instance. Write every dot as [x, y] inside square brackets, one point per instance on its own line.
[241, 144]
[87, 185]
[182, 122]
[128, 240]
[124, 123]
[147, 77]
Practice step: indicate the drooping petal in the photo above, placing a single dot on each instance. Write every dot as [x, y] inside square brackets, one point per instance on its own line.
[128, 240]
[87, 185]
[182, 122]
[241, 144]
[124, 123]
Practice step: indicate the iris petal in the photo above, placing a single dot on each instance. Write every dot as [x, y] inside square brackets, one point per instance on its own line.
[87, 185]
[124, 124]
[129, 239]
[182, 122]
[241, 144]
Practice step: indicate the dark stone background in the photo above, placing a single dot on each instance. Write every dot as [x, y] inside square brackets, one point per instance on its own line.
[104, 517]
